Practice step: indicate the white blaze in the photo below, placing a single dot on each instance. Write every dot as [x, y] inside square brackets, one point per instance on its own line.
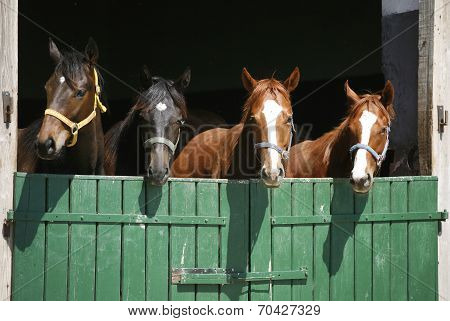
[62, 79]
[359, 169]
[161, 106]
[271, 111]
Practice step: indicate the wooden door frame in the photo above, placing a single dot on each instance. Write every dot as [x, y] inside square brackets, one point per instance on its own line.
[8, 134]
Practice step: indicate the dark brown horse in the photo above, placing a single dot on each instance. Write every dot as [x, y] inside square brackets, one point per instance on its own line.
[356, 148]
[69, 138]
[149, 134]
[256, 147]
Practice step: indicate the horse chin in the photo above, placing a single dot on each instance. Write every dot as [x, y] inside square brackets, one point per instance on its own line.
[52, 157]
[361, 189]
[272, 183]
[155, 181]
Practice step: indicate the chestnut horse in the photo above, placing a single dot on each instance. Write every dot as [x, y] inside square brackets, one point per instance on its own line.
[256, 147]
[69, 138]
[151, 129]
[356, 148]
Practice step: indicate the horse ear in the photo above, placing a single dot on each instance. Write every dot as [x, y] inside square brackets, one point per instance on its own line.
[183, 81]
[352, 97]
[91, 51]
[145, 78]
[387, 98]
[292, 81]
[55, 54]
[247, 80]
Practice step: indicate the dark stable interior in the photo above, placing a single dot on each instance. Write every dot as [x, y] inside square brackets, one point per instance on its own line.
[324, 39]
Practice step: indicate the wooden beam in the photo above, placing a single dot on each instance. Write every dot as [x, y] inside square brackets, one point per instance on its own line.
[425, 85]
[8, 135]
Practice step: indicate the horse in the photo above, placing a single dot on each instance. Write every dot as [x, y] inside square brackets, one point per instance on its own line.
[151, 129]
[257, 146]
[356, 148]
[69, 138]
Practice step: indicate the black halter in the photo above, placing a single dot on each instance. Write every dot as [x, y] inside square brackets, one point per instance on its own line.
[284, 153]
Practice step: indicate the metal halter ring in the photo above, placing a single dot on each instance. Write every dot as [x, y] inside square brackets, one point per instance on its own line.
[74, 129]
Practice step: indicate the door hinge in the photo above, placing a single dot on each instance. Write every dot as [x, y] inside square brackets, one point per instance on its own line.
[442, 118]
[7, 107]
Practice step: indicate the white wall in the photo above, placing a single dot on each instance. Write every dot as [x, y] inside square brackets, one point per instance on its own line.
[399, 6]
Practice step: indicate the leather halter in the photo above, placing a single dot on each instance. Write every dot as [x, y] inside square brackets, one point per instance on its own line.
[164, 141]
[378, 157]
[284, 153]
[75, 127]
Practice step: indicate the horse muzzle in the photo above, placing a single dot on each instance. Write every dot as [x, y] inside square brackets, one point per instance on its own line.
[272, 177]
[361, 184]
[158, 177]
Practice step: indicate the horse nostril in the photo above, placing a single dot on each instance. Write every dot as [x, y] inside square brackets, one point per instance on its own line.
[149, 171]
[352, 181]
[167, 171]
[368, 177]
[50, 145]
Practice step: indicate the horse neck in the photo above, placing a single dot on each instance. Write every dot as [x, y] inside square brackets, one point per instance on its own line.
[243, 162]
[120, 145]
[336, 154]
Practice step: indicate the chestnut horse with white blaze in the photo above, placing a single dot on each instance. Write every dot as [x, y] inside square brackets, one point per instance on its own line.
[256, 147]
[356, 148]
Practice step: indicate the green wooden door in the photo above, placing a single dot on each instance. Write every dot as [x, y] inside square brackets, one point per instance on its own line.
[119, 238]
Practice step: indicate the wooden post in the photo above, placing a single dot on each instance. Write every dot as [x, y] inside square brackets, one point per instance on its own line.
[434, 84]
[8, 135]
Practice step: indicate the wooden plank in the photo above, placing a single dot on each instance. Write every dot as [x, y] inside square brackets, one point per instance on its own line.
[302, 240]
[29, 243]
[342, 244]
[381, 243]
[425, 85]
[157, 201]
[182, 238]
[109, 242]
[322, 248]
[399, 243]
[282, 242]
[57, 243]
[260, 239]
[8, 134]
[422, 243]
[83, 199]
[207, 237]
[234, 204]
[133, 244]
[363, 249]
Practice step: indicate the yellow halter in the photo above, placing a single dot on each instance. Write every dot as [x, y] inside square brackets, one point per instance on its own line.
[75, 127]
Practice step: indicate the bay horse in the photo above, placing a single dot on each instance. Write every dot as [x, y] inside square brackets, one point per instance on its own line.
[69, 138]
[356, 148]
[151, 129]
[256, 147]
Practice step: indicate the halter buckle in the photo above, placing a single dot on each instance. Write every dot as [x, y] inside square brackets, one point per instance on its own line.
[74, 129]
[285, 155]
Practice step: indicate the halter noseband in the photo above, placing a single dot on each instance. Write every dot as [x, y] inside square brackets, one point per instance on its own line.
[284, 153]
[75, 127]
[164, 141]
[378, 157]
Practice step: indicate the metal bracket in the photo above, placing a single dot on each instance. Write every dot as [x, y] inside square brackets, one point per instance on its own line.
[6, 228]
[442, 118]
[7, 107]
[229, 276]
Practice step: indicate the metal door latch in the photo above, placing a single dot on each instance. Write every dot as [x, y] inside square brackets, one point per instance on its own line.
[7, 107]
[442, 118]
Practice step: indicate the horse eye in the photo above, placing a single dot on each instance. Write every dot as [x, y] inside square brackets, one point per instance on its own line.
[80, 93]
[289, 120]
[181, 122]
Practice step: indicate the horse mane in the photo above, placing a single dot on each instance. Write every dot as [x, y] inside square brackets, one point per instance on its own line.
[262, 87]
[72, 65]
[157, 92]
